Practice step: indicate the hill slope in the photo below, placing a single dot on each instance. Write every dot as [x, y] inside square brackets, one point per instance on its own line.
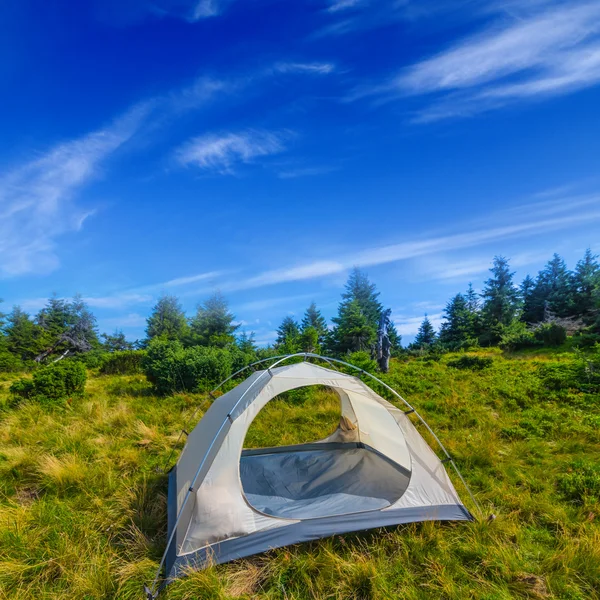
[83, 507]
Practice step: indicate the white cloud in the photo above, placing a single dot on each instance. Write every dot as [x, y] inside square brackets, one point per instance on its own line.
[205, 9]
[294, 173]
[553, 50]
[220, 152]
[341, 5]
[189, 279]
[258, 305]
[316, 68]
[36, 197]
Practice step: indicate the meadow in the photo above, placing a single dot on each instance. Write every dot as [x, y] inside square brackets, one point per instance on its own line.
[83, 491]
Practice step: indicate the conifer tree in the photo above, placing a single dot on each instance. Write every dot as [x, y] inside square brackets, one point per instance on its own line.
[167, 320]
[425, 336]
[528, 300]
[360, 304]
[213, 324]
[353, 330]
[586, 280]
[288, 336]
[247, 343]
[313, 318]
[22, 335]
[458, 327]
[554, 288]
[500, 300]
[116, 342]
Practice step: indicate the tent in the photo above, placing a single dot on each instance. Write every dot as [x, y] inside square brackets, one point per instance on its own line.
[375, 470]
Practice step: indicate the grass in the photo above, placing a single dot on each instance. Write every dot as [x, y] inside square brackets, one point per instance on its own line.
[83, 498]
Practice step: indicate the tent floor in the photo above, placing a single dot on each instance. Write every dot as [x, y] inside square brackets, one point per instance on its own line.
[318, 480]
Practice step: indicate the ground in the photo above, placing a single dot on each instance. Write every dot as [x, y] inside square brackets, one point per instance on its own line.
[83, 492]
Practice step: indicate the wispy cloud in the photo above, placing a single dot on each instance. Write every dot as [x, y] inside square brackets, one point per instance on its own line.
[189, 279]
[316, 68]
[133, 320]
[341, 5]
[527, 225]
[552, 49]
[293, 173]
[220, 152]
[205, 9]
[258, 305]
[36, 198]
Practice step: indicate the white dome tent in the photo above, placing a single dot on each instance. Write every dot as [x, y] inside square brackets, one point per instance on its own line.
[375, 470]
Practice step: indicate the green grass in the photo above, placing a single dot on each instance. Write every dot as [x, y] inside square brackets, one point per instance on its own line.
[83, 501]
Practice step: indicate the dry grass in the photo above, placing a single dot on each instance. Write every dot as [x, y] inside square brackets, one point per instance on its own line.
[83, 506]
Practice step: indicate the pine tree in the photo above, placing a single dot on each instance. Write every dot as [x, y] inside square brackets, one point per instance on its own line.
[213, 324]
[22, 335]
[500, 300]
[528, 300]
[472, 299]
[457, 328]
[586, 280]
[362, 295]
[288, 336]
[246, 343]
[309, 340]
[425, 336]
[313, 318]
[167, 320]
[116, 342]
[555, 286]
[353, 330]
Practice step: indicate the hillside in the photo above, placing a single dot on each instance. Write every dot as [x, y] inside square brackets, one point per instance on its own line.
[83, 501]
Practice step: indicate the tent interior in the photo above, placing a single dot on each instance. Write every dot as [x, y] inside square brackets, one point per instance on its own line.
[321, 479]
[335, 476]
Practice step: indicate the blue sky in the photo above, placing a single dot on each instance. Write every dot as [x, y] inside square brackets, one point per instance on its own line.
[264, 147]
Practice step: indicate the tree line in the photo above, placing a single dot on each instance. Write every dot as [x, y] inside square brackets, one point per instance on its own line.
[541, 310]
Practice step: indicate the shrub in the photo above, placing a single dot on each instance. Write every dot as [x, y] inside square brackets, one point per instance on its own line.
[9, 363]
[516, 336]
[53, 383]
[550, 334]
[473, 363]
[581, 482]
[172, 368]
[124, 362]
[363, 361]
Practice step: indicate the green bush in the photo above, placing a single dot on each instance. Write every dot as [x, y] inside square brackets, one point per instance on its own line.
[516, 336]
[9, 363]
[550, 334]
[172, 368]
[363, 361]
[124, 362]
[473, 363]
[581, 482]
[53, 383]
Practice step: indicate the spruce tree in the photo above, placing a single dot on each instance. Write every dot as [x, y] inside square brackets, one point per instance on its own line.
[288, 336]
[500, 300]
[555, 287]
[360, 296]
[313, 318]
[457, 328]
[23, 336]
[246, 343]
[353, 330]
[116, 342]
[213, 324]
[167, 320]
[529, 312]
[586, 280]
[425, 336]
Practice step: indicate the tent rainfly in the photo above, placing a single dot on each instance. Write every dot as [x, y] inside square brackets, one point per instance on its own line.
[375, 470]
